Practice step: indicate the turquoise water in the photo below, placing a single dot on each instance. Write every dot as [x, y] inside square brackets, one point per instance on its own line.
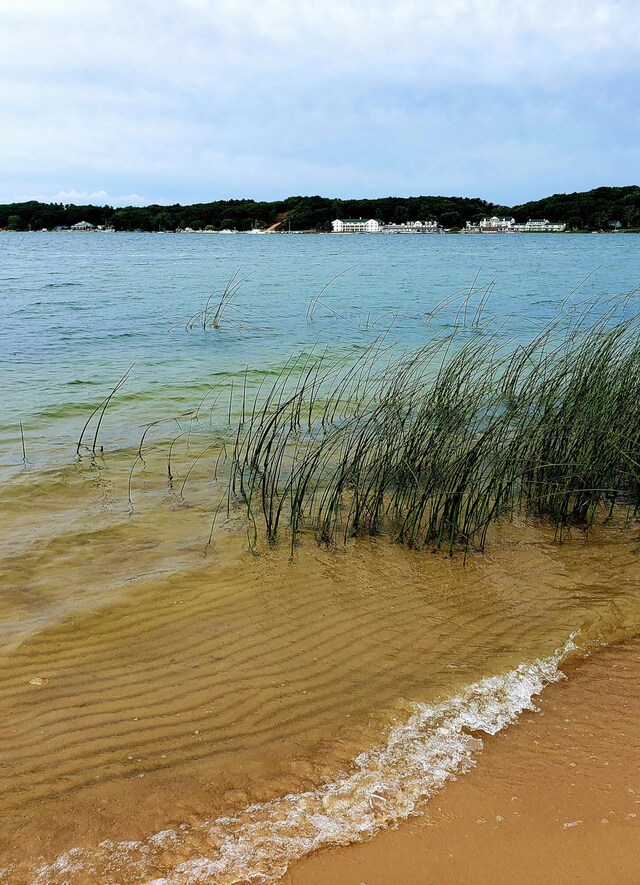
[77, 310]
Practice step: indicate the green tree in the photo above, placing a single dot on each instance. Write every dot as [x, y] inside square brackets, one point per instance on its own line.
[163, 221]
[400, 215]
[599, 221]
[451, 219]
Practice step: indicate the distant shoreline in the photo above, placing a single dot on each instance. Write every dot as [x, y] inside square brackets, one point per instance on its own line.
[601, 209]
[456, 232]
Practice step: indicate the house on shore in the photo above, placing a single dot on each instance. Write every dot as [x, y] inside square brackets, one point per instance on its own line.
[497, 223]
[83, 225]
[374, 226]
[356, 226]
[540, 225]
[411, 227]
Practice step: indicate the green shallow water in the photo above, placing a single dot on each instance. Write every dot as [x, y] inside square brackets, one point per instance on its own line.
[77, 310]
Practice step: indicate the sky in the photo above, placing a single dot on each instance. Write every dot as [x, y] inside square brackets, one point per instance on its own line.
[130, 102]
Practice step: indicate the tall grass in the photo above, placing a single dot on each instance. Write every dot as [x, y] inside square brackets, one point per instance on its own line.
[100, 410]
[213, 311]
[432, 446]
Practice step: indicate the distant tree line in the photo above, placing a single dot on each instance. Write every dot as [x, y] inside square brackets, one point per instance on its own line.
[590, 210]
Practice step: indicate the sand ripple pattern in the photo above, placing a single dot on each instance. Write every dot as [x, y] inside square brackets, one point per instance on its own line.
[146, 689]
[384, 785]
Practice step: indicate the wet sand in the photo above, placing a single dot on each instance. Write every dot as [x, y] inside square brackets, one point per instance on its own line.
[146, 688]
[554, 798]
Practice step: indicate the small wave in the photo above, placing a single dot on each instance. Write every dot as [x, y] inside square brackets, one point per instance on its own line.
[385, 785]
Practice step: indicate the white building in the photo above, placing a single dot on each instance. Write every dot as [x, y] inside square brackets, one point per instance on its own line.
[83, 225]
[411, 227]
[507, 223]
[356, 226]
[540, 225]
[497, 222]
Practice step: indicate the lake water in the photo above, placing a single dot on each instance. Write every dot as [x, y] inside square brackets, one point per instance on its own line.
[177, 713]
[77, 310]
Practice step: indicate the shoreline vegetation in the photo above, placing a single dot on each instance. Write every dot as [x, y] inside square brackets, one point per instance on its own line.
[600, 209]
[433, 446]
[428, 447]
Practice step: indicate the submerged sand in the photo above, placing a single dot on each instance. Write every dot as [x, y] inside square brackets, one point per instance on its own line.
[152, 692]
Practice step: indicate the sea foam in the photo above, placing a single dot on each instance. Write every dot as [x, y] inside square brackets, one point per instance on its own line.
[384, 785]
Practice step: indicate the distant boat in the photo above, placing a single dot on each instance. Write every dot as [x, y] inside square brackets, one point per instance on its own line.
[256, 230]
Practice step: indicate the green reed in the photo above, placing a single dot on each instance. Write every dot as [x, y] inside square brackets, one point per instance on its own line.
[432, 446]
[213, 311]
[100, 411]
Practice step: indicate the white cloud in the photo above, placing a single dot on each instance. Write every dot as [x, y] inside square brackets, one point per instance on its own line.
[186, 99]
[186, 43]
[96, 198]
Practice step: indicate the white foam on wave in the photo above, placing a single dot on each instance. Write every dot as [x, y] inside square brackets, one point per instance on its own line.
[385, 785]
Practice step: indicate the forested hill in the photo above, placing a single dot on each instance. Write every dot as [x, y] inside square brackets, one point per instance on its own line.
[590, 210]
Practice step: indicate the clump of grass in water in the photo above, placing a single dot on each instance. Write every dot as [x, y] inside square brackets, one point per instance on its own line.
[212, 313]
[101, 408]
[432, 446]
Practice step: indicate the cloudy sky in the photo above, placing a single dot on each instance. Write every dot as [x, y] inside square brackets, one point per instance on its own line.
[138, 101]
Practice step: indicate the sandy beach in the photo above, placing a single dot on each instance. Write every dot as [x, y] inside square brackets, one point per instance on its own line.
[553, 799]
[163, 719]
